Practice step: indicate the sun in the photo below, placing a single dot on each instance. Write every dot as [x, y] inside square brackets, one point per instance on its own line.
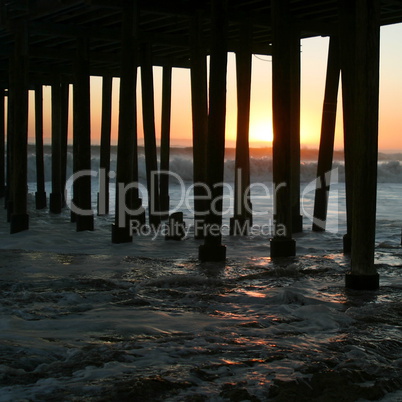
[261, 132]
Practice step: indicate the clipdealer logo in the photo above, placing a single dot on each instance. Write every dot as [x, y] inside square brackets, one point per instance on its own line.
[257, 191]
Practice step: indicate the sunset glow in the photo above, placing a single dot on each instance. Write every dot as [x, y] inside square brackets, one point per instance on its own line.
[313, 58]
[261, 131]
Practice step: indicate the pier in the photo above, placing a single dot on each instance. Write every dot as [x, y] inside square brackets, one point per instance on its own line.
[63, 43]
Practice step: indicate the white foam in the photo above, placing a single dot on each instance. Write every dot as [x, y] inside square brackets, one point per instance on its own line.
[81, 313]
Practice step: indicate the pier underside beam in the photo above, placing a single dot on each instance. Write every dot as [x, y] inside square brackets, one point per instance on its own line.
[362, 77]
[212, 249]
[282, 244]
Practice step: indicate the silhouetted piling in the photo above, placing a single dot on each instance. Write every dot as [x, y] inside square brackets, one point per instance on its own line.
[297, 218]
[242, 219]
[326, 150]
[82, 136]
[212, 249]
[148, 111]
[127, 163]
[56, 196]
[363, 70]
[64, 109]
[40, 194]
[282, 244]
[165, 141]
[106, 128]
[346, 35]
[8, 199]
[74, 196]
[199, 111]
[19, 220]
[2, 144]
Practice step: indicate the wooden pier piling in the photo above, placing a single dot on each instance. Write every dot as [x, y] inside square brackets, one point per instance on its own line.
[148, 117]
[212, 249]
[106, 128]
[19, 219]
[40, 194]
[326, 149]
[199, 111]
[8, 199]
[165, 141]
[64, 109]
[295, 72]
[56, 196]
[364, 33]
[347, 32]
[282, 244]
[82, 137]
[2, 144]
[242, 219]
[127, 164]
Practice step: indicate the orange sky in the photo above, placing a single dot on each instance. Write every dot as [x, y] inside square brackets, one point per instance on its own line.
[314, 55]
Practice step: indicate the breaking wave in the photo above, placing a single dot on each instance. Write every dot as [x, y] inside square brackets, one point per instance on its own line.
[389, 171]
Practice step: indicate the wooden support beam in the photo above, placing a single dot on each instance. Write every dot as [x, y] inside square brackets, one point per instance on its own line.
[73, 215]
[165, 141]
[64, 92]
[346, 33]
[106, 128]
[199, 111]
[242, 219]
[151, 163]
[295, 71]
[184, 10]
[173, 56]
[326, 150]
[212, 249]
[40, 194]
[8, 199]
[82, 137]
[49, 60]
[109, 35]
[315, 27]
[64, 30]
[105, 61]
[2, 145]
[56, 196]
[19, 218]
[128, 205]
[365, 38]
[113, 5]
[282, 244]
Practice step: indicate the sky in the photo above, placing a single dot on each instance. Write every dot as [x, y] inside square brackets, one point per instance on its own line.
[313, 59]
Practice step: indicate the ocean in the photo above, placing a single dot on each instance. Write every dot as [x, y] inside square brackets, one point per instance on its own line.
[83, 319]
